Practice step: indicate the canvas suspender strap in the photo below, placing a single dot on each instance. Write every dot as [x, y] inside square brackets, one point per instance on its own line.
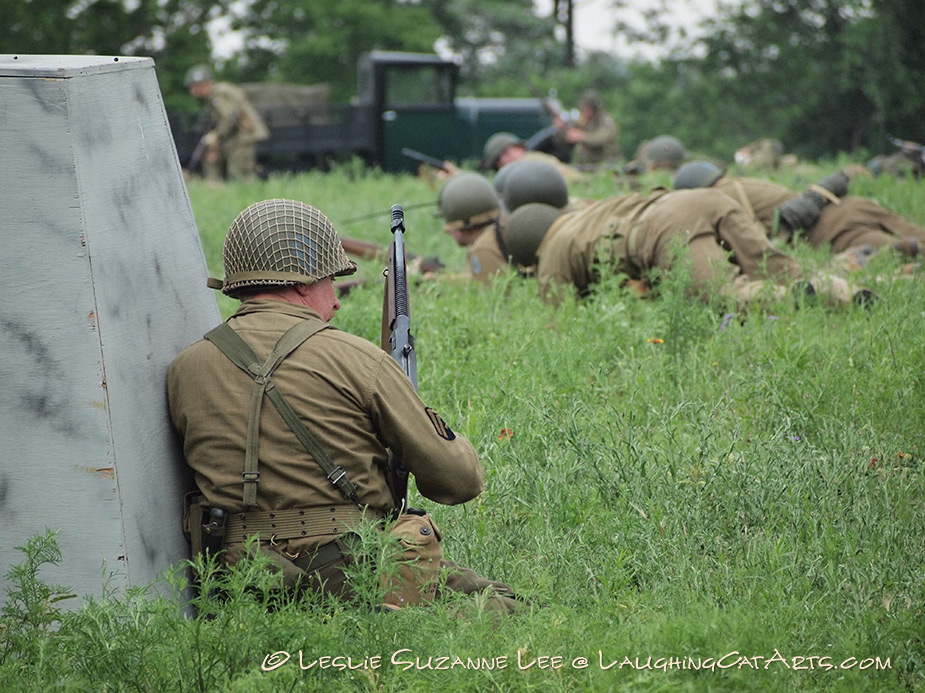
[235, 348]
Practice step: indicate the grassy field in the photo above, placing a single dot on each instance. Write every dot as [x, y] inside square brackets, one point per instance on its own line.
[691, 501]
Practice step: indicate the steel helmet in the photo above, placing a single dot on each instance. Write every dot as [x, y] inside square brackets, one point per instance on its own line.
[526, 229]
[197, 74]
[664, 151]
[534, 181]
[592, 98]
[502, 174]
[496, 145]
[697, 174]
[467, 200]
[281, 243]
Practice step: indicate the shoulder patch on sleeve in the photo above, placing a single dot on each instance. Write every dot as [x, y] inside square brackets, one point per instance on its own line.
[439, 424]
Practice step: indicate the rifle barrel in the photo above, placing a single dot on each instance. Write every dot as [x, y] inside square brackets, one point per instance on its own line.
[424, 158]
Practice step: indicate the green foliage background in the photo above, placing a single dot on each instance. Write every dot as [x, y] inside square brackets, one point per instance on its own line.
[662, 481]
[822, 76]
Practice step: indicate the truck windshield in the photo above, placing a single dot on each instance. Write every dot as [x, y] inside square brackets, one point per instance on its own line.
[418, 85]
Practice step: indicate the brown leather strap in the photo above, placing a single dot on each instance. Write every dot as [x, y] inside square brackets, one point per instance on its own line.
[293, 524]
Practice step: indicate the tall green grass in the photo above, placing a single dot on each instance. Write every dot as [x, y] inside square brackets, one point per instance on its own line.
[667, 482]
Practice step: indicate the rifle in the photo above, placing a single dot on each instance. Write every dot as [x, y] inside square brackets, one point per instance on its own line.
[196, 156]
[912, 150]
[397, 339]
[425, 159]
[368, 250]
[371, 215]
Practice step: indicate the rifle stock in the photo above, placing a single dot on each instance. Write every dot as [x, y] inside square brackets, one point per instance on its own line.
[396, 338]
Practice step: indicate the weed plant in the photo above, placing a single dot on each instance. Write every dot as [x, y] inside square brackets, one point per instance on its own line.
[689, 497]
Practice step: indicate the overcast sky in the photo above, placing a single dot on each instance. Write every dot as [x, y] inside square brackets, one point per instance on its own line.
[594, 21]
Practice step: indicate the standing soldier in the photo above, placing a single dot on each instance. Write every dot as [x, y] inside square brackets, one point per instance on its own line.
[825, 215]
[229, 148]
[595, 134]
[303, 471]
[640, 232]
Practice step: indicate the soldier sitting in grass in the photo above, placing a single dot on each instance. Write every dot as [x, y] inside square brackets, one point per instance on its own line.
[295, 478]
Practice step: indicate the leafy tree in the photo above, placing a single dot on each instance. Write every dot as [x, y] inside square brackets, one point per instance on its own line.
[307, 41]
[170, 31]
[894, 60]
[497, 39]
[814, 73]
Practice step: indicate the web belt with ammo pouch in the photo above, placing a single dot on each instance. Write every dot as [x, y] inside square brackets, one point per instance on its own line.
[275, 525]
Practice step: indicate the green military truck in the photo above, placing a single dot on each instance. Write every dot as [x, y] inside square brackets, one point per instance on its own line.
[404, 100]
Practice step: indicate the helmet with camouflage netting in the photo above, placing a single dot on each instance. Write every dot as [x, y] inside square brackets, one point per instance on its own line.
[281, 243]
[534, 181]
[526, 229]
[467, 200]
[697, 174]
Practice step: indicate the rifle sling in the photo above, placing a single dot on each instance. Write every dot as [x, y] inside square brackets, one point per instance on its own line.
[237, 350]
[499, 239]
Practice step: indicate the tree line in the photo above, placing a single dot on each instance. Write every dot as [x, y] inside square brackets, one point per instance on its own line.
[823, 76]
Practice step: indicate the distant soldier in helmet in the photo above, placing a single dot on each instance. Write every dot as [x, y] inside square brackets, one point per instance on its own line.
[634, 234]
[662, 153]
[504, 148]
[229, 148]
[825, 215]
[474, 211]
[765, 154]
[471, 213]
[595, 134]
[303, 481]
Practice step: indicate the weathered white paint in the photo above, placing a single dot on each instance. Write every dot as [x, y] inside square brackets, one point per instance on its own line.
[102, 279]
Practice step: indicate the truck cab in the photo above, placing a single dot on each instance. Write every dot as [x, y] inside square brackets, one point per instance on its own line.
[413, 96]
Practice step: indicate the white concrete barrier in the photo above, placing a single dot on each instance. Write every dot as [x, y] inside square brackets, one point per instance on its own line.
[102, 282]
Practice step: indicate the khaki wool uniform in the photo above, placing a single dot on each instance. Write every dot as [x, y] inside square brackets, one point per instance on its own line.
[239, 128]
[487, 255]
[599, 143]
[355, 400]
[485, 258]
[632, 234]
[852, 223]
